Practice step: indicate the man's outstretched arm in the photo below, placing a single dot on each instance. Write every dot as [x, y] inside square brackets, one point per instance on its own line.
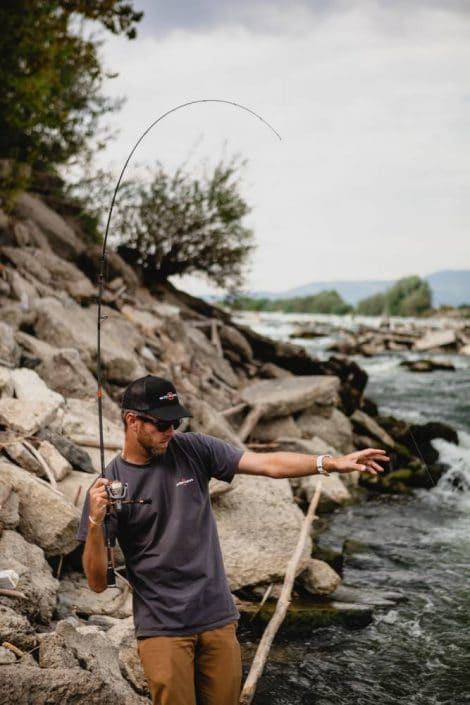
[298, 464]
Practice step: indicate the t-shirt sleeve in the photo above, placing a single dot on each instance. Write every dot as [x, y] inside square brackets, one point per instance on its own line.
[221, 458]
[83, 526]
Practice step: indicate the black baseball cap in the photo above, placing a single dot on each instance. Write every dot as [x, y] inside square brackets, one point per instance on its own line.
[156, 396]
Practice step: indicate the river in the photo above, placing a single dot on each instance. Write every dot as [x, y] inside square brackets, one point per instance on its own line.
[418, 652]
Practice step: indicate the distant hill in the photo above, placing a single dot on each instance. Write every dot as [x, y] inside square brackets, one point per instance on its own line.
[449, 287]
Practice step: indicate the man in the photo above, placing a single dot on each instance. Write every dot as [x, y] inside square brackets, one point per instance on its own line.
[184, 614]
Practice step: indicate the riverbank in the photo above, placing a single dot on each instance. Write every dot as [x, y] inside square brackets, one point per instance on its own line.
[246, 388]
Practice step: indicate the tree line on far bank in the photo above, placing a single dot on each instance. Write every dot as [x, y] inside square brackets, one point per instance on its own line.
[410, 296]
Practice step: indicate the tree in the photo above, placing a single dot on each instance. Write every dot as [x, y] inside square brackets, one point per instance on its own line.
[184, 225]
[51, 76]
[410, 296]
[372, 305]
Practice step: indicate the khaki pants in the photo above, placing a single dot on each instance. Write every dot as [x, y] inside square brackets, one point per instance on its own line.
[199, 669]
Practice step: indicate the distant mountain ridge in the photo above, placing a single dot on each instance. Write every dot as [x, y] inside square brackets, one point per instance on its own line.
[449, 287]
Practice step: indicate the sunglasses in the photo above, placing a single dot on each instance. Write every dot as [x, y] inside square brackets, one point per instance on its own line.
[161, 425]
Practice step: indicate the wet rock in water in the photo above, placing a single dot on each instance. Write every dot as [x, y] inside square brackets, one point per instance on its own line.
[47, 518]
[362, 423]
[319, 578]
[36, 581]
[303, 617]
[288, 395]
[433, 340]
[427, 365]
[373, 598]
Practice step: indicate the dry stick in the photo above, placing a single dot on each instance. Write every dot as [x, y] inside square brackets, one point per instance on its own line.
[282, 606]
[232, 410]
[4, 592]
[42, 462]
[250, 422]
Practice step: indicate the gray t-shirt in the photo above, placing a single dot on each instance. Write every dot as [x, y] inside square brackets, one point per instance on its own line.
[171, 547]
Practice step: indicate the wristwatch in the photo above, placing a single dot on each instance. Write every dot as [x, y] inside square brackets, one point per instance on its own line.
[319, 464]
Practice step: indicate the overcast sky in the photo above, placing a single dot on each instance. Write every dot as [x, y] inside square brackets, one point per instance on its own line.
[372, 99]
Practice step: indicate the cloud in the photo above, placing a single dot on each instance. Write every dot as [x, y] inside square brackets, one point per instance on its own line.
[371, 178]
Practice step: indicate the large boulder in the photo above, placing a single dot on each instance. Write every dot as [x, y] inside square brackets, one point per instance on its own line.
[80, 424]
[60, 236]
[122, 636]
[259, 527]
[90, 650]
[335, 430]
[70, 326]
[75, 596]
[26, 417]
[268, 430]
[434, 340]
[29, 386]
[47, 518]
[286, 395]
[78, 458]
[16, 629]
[36, 581]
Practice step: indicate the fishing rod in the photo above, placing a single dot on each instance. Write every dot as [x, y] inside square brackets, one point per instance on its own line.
[117, 491]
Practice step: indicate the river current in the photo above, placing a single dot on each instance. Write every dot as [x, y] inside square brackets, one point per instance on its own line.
[417, 652]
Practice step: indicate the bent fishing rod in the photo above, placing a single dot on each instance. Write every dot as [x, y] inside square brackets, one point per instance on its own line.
[117, 491]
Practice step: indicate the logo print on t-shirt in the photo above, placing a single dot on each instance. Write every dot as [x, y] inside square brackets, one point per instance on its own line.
[185, 481]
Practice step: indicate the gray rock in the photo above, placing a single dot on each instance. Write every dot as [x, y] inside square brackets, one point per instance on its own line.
[122, 636]
[78, 458]
[363, 423]
[94, 652]
[9, 507]
[9, 350]
[259, 527]
[231, 337]
[28, 385]
[319, 578]
[75, 596]
[75, 486]
[201, 347]
[6, 656]
[59, 465]
[271, 371]
[80, 424]
[36, 581]
[61, 236]
[335, 430]
[273, 429]
[16, 629]
[47, 518]
[6, 383]
[23, 457]
[70, 326]
[435, 340]
[26, 417]
[284, 396]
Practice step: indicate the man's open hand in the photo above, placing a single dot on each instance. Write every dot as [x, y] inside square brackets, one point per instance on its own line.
[362, 460]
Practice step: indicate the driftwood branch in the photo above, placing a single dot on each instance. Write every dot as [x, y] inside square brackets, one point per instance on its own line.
[42, 463]
[4, 592]
[282, 606]
[92, 442]
[250, 421]
[232, 410]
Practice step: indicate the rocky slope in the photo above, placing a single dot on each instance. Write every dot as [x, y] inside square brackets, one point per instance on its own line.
[61, 642]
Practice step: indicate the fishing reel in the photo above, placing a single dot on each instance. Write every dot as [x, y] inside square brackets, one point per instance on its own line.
[117, 494]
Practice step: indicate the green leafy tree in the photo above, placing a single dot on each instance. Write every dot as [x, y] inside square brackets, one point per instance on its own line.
[372, 305]
[52, 77]
[410, 296]
[184, 225]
